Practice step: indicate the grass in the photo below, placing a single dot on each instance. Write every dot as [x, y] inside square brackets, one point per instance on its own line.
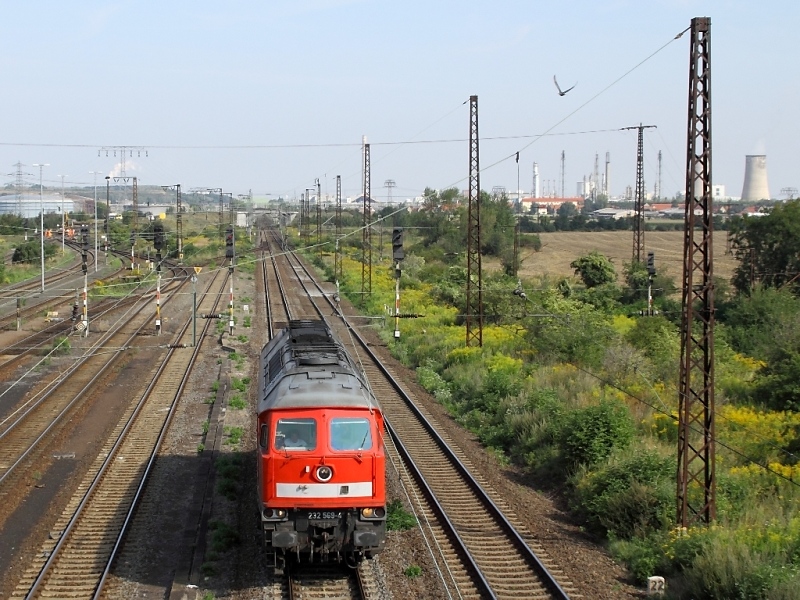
[240, 385]
[200, 448]
[559, 249]
[247, 321]
[229, 474]
[237, 402]
[413, 571]
[398, 518]
[234, 435]
[215, 386]
[205, 427]
[223, 536]
[61, 345]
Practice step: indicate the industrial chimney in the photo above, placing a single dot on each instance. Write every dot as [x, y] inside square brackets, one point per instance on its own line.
[755, 178]
[536, 193]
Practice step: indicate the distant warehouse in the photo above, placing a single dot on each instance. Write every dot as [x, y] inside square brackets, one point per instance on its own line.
[29, 204]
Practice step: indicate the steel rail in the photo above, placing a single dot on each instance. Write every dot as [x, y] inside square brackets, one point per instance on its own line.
[522, 545]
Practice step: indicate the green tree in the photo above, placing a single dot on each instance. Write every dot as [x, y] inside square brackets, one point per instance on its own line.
[761, 323]
[566, 212]
[777, 386]
[768, 247]
[30, 252]
[594, 269]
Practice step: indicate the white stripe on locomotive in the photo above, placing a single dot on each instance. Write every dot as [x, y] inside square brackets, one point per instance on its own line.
[324, 490]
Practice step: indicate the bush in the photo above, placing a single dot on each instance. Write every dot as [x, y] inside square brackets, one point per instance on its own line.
[30, 252]
[590, 434]
[632, 495]
[731, 568]
[642, 557]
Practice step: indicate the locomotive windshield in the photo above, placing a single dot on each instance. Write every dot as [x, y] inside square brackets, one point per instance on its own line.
[350, 434]
[296, 434]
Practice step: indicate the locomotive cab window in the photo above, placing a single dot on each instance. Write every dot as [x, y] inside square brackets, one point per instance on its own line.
[350, 434]
[296, 434]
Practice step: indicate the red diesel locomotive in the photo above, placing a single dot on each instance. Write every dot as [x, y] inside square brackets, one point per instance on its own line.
[321, 460]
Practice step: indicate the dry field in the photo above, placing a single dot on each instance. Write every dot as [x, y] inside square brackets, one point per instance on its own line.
[560, 249]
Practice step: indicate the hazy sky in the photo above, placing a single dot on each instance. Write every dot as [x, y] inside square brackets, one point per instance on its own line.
[270, 95]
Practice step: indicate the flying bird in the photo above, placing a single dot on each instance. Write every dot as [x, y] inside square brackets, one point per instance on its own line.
[558, 87]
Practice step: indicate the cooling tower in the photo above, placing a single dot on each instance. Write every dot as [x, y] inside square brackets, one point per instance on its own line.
[755, 178]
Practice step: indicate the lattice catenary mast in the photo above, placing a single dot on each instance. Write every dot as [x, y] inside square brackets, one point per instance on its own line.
[696, 497]
[638, 217]
[366, 232]
[474, 298]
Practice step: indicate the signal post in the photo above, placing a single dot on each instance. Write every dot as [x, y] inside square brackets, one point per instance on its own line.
[651, 271]
[230, 253]
[84, 250]
[158, 243]
[398, 254]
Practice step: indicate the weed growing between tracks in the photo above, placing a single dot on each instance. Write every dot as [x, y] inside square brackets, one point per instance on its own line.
[398, 518]
[229, 474]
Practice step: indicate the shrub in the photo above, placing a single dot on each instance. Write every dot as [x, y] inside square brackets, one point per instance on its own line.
[590, 434]
[730, 567]
[642, 556]
[631, 495]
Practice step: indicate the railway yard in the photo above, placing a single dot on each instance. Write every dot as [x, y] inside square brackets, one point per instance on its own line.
[128, 459]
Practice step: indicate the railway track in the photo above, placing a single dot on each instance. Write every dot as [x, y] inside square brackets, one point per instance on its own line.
[74, 562]
[25, 299]
[24, 428]
[482, 551]
[44, 338]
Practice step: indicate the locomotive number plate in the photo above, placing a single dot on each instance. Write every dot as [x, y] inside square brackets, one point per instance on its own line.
[325, 514]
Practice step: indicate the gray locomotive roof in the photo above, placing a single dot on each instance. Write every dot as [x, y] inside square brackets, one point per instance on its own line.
[304, 366]
[316, 389]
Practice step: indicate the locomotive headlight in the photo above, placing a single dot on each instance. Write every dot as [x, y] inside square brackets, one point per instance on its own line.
[373, 513]
[271, 514]
[323, 474]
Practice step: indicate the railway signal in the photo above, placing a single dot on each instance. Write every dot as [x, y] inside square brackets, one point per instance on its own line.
[397, 244]
[158, 236]
[229, 247]
[84, 246]
[158, 243]
[651, 264]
